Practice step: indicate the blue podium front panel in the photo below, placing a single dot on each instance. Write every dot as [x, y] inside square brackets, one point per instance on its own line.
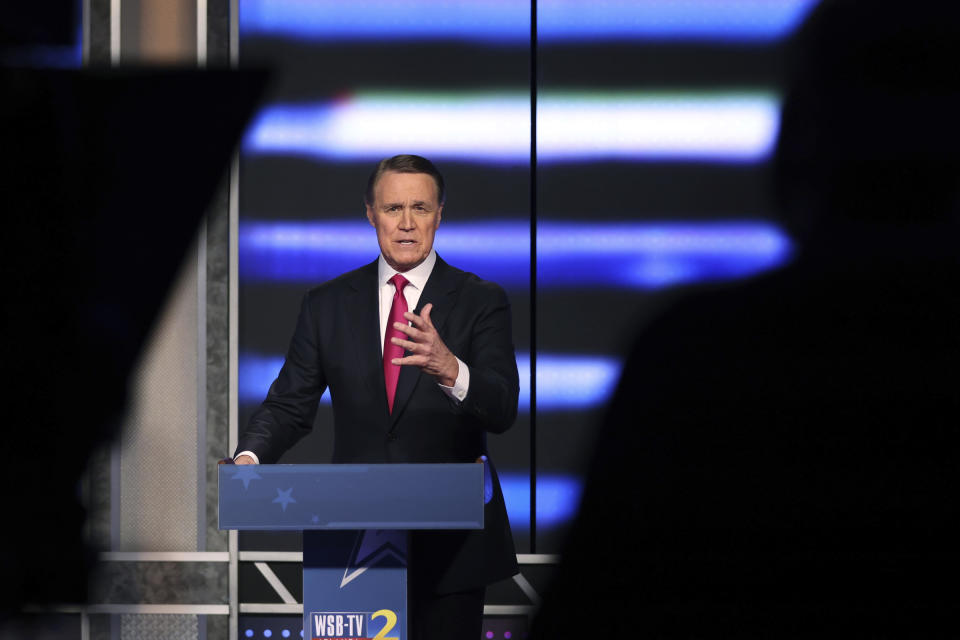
[351, 496]
[354, 585]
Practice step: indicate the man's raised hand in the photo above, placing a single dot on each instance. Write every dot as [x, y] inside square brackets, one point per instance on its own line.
[427, 350]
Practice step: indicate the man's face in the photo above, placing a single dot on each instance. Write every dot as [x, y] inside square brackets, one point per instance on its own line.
[406, 214]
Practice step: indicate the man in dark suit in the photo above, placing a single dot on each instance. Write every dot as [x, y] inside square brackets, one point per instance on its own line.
[420, 386]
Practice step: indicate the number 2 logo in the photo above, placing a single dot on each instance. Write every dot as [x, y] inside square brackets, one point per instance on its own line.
[388, 625]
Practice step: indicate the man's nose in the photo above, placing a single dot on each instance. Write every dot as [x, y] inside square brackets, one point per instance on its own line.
[406, 219]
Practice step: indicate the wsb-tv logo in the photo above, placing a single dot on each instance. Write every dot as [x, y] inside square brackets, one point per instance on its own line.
[353, 625]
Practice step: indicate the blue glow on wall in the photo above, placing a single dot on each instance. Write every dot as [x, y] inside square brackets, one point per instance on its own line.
[558, 498]
[255, 374]
[508, 21]
[568, 381]
[728, 127]
[563, 381]
[632, 255]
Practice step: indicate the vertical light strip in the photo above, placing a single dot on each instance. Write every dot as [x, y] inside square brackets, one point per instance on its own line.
[114, 32]
[233, 550]
[533, 275]
[202, 387]
[234, 32]
[202, 343]
[233, 403]
[233, 302]
[201, 33]
[115, 494]
[115, 449]
[202, 29]
[85, 32]
[233, 544]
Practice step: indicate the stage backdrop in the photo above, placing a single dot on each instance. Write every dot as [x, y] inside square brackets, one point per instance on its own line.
[655, 122]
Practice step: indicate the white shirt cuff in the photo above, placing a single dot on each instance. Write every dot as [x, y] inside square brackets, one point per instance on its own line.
[459, 389]
[247, 453]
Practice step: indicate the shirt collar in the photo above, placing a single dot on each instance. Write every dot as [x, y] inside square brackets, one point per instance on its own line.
[417, 276]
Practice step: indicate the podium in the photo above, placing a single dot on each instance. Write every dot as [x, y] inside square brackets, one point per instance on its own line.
[355, 519]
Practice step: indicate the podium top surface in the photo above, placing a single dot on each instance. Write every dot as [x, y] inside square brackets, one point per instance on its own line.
[351, 496]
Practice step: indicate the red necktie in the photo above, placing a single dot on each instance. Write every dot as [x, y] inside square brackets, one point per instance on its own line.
[391, 372]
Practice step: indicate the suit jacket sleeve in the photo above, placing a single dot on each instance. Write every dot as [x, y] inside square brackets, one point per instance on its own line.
[289, 410]
[494, 384]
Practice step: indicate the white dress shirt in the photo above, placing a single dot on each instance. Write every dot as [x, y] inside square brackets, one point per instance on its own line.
[417, 278]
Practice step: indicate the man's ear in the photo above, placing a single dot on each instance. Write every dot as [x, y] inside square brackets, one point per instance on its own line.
[439, 214]
[370, 215]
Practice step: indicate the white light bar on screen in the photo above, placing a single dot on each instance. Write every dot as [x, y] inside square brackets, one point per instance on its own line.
[495, 128]
[508, 21]
[491, 128]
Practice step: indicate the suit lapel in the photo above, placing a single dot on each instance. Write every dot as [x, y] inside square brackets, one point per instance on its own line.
[362, 307]
[440, 290]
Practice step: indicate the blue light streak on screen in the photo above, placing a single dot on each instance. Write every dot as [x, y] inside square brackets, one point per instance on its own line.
[255, 374]
[658, 20]
[492, 21]
[731, 127]
[631, 255]
[49, 56]
[563, 381]
[568, 381]
[508, 21]
[558, 498]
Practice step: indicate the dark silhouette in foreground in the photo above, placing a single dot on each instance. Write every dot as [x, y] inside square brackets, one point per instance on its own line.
[104, 178]
[781, 457]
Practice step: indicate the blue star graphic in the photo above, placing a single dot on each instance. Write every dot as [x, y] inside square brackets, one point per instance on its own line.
[283, 497]
[246, 472]
[315, 519]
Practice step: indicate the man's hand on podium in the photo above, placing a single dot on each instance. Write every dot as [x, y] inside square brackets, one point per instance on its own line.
[244, 460]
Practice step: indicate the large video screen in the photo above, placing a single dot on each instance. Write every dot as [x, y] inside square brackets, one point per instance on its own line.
[654, 124]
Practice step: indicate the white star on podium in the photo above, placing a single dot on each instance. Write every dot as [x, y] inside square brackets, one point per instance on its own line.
[246, 472]
[283, 497]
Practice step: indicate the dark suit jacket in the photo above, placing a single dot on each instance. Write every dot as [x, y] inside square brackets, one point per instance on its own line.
[336, 344]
